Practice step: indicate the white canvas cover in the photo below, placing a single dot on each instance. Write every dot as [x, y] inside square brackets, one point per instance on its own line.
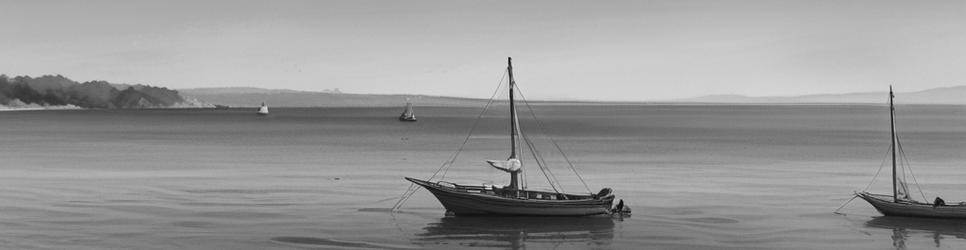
[509, 165]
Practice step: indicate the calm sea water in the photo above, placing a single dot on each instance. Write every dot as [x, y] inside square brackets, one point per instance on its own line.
[697, 177]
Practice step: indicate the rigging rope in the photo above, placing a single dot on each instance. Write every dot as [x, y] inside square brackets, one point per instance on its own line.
[554, 142]
[886, 157]
[473, 128]
[905, 160]
[908, 166]
[843, 204]
[542, 164]
[444, 167]
[402, 199]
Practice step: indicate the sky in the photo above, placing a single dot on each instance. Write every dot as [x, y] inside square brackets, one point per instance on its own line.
[587, 50]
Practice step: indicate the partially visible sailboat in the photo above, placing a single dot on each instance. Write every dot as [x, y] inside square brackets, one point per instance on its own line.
[408, 115]
[900, 203]
[515, 198]
[263, 110]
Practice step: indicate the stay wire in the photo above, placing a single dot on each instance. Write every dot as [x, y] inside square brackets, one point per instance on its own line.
[541, 163]
[908, 166]
[843, 204]
[473, 128]
[905, 160]
[554, 142]
[874, 177]
[881, 165]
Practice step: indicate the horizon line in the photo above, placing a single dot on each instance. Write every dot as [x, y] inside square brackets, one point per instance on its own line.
[572, 99]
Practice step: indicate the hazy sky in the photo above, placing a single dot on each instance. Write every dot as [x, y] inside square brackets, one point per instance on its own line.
[593, 50]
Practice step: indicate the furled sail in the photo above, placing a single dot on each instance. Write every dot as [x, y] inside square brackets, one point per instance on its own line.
[512, 166]
[409, 109]
[509, 165]
[902, 190]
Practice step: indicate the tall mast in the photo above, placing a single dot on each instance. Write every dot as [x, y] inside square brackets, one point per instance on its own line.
[892, 127]
[514, 124]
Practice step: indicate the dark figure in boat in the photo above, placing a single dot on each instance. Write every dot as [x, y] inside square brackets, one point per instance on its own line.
[620, 209]
[938, 202]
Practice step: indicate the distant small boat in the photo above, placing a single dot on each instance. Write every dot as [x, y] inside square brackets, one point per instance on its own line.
[407, 115]
[900, 203]
[515, 198]
[219, 106]
[263, 110]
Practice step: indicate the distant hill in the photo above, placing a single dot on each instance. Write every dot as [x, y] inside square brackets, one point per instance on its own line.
[244, 90]
[57, 90]
[947, 95]
[252, 97]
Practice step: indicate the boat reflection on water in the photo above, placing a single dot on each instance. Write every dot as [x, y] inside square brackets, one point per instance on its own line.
[905, 227]
[518, 232]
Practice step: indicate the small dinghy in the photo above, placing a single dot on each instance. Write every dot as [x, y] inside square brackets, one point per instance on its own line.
[263, 110]
[408, 115]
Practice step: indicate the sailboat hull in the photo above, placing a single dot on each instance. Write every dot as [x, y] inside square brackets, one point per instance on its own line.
[407, 115]
[462, 201]
[885, 205]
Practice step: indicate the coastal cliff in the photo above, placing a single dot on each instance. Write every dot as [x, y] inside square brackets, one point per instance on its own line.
[59, 91]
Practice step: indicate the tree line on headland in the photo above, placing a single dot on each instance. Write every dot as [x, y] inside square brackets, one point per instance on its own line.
[56, 90]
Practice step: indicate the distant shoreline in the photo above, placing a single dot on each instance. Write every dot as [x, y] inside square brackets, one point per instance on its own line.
[250, 97]
[6, 109]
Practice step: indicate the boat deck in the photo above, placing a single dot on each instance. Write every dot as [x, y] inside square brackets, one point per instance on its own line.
[507, 193]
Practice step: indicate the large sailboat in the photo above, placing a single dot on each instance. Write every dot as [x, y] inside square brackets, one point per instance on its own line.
[900, 203]
[515, 198]
[408, 115]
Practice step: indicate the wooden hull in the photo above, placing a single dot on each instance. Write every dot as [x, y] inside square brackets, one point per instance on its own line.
[461, 202]
[407, 118]
[885, 205]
